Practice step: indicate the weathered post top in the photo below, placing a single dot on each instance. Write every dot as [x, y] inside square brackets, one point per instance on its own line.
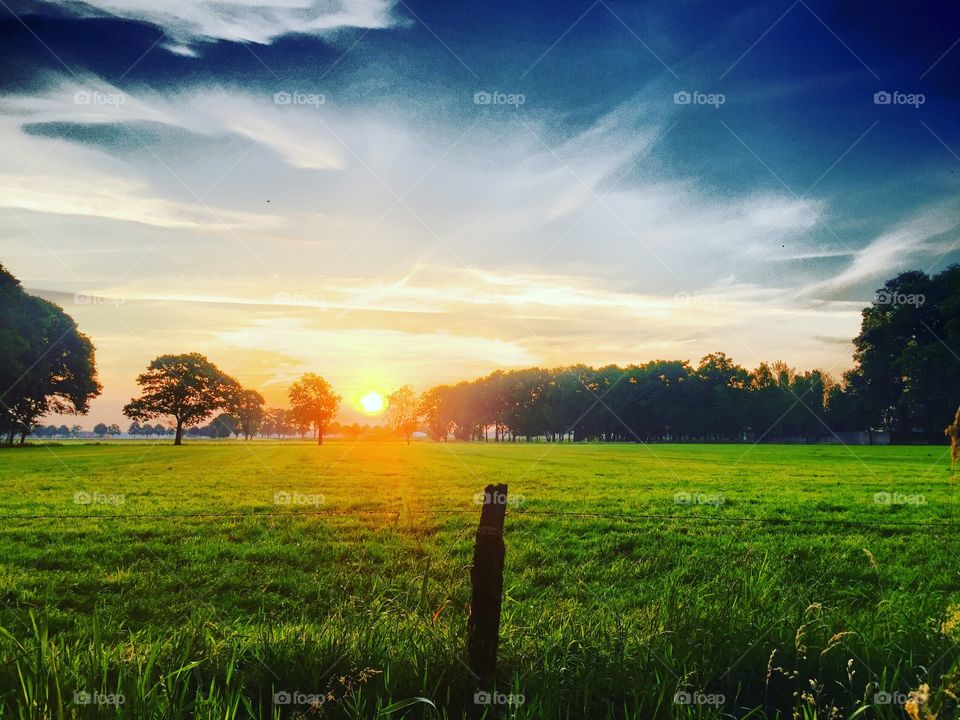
[486, 577]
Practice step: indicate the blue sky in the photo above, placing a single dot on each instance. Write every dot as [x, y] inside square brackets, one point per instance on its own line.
[416, 192]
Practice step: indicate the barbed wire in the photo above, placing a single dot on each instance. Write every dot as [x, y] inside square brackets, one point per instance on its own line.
[516, 514]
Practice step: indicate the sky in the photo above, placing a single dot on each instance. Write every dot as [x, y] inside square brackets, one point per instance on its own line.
[411, 192]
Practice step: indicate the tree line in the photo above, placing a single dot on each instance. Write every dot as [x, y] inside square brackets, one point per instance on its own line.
[662, 400]
[904, 381]
[189, 388]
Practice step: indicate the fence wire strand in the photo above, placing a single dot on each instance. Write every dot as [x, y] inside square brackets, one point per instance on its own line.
[516, 514]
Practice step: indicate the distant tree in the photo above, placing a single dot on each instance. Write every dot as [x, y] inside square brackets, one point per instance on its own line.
[100, 429]
[275, 422]
[525, 414]
[135, 429]
[46, 364]
[188, 388]
[434, 409]
[113, 429]
[247, 407]
[74, 431]
[403, 412]
[313, 402]
[301, 425]
[718, 390]
[222, 426]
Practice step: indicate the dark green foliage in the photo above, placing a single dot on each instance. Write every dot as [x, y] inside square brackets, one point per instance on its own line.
[46, 364]
[906, 379]
[661, 400]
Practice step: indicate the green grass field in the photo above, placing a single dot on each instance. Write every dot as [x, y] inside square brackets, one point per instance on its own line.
[785, 586]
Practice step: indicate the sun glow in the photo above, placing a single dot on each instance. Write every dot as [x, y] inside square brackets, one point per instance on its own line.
[372, 402]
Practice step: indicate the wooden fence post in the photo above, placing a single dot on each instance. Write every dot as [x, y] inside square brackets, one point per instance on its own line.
[486, 578]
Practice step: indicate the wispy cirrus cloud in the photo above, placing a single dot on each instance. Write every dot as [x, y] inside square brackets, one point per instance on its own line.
[377, 240]
[259, 21]
[924, 238]
[209, 111]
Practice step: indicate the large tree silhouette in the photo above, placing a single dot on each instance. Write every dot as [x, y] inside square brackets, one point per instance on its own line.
[188, 388]
[247, 407]
[907, 374]
[403, 411]
[46, 364]
[313, 402]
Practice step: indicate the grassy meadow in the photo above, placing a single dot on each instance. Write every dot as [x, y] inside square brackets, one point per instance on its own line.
[662, 581]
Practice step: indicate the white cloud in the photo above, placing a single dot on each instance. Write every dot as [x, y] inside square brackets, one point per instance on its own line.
[106, 197]
[48, 176]
[258, 21]
[511, 244]
[213, 112]
[896, 250]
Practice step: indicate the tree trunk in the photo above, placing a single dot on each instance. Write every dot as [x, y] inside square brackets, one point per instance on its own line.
[23, 436]
[408, 438]
[319, 436]
[177, 440]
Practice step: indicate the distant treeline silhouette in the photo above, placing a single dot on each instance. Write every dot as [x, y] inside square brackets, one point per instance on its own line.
[905, 380]
[659, 400]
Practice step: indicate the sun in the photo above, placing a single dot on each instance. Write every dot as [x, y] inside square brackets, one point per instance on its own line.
[372, 402]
